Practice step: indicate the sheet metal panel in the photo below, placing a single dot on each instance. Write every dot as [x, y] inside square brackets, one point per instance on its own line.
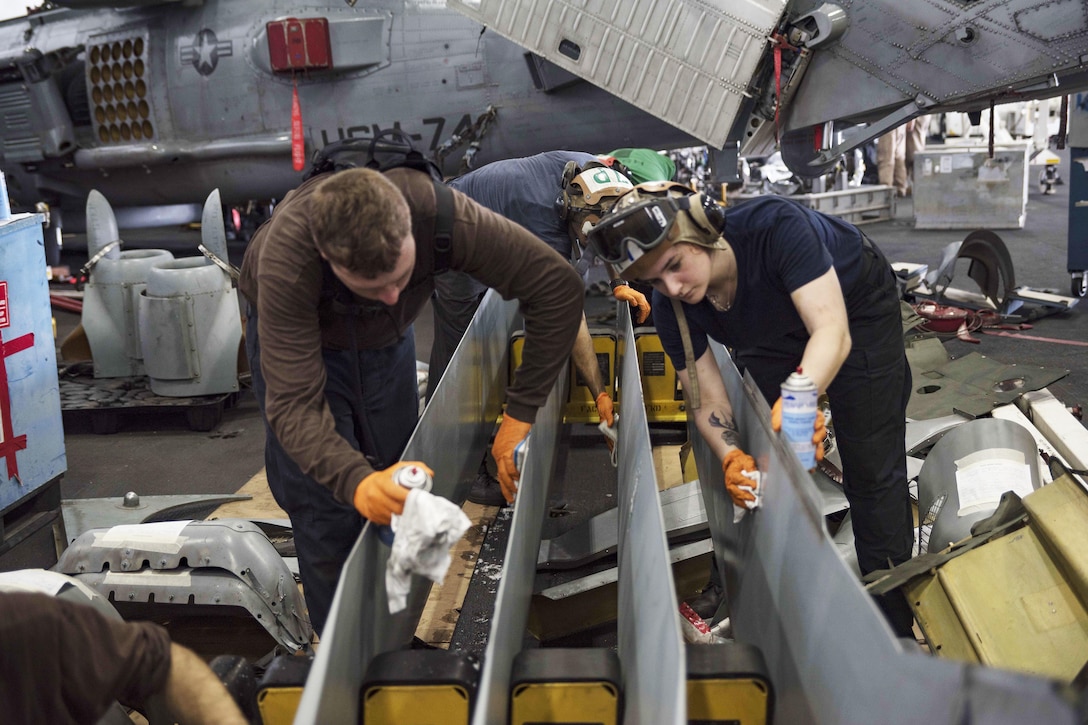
[451, 434]
[650, 645]
[831, 656]
[511, 613]
[895, 51]
[687, 62]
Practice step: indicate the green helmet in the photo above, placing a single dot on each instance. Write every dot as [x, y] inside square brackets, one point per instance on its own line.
[645, 164]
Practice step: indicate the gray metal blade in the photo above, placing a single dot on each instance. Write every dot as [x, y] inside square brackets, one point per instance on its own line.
[213, 232]
[685, 519]
[101, 226]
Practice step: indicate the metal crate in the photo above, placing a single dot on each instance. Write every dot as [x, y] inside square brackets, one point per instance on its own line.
[860, 205]
[964, 188]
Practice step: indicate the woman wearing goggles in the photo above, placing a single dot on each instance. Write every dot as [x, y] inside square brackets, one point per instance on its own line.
[784, 287]
[625, 235]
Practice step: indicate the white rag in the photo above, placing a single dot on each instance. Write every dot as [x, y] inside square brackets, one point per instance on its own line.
[613, 435]
[425, 532]
[756, 490]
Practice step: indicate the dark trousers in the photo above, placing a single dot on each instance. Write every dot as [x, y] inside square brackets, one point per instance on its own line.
[868, 405]
[456, 297]
[373, 398]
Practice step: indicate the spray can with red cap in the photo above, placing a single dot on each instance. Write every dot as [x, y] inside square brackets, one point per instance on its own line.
[408, 477]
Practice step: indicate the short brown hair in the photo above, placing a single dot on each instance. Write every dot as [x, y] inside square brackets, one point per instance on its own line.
[360, 220]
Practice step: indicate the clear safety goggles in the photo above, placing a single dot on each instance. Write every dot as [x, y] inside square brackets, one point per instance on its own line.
[624, 236]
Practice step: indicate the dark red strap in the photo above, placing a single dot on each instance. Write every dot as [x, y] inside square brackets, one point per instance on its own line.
[780, 44]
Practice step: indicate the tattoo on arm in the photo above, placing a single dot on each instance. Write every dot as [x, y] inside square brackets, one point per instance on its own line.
[729, 428]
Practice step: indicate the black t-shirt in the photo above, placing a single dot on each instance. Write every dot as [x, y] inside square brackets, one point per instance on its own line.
[780, 246]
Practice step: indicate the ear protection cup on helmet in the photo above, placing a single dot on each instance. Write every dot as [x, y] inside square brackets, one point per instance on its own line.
[562, 205]
[562, 201]
[707, 214]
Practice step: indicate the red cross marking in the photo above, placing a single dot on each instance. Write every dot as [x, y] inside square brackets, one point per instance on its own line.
[9, 442]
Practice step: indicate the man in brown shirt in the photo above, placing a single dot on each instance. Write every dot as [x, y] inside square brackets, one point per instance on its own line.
[334, 281]
[64, 662]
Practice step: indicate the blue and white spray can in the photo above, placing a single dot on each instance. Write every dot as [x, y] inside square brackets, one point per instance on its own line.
[521, 452]
[408, 477]
[5, 202]
[799, 400]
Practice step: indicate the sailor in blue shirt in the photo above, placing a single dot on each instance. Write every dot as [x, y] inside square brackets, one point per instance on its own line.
[783, 287]
[555, 195]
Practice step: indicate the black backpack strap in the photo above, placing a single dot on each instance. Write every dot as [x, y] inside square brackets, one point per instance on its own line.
[443, 226]
[335, 297]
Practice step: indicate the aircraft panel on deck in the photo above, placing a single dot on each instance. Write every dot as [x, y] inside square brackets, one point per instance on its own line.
[686, 62]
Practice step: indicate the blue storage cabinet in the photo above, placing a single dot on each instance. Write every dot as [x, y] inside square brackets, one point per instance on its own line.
[32, 458]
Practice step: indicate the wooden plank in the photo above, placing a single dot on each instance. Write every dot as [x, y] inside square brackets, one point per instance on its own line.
[667, 467]
[261, 506]
[443, 607]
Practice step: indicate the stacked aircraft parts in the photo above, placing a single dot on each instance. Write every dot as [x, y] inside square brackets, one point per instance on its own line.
[790, 595]
[146, 313]
[111, 297]
[189, 321]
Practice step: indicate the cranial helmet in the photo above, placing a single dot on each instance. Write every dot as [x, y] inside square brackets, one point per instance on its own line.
[585, 195]
[589, 190]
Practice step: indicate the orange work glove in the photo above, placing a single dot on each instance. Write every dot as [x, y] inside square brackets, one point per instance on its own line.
[378, 497]
[819, 428]
[630, 295]
[605, 410]
[742, 489]
[511, 432]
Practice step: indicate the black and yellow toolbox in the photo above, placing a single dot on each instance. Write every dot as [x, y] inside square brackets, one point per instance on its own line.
[661, 392]
[580, 406]
[728, 683]
[280, 688]
[560, 685]
[660, 385]
[407, 687]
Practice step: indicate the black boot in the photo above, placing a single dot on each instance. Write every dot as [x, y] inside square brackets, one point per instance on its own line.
[486, 490]
[709, 600]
